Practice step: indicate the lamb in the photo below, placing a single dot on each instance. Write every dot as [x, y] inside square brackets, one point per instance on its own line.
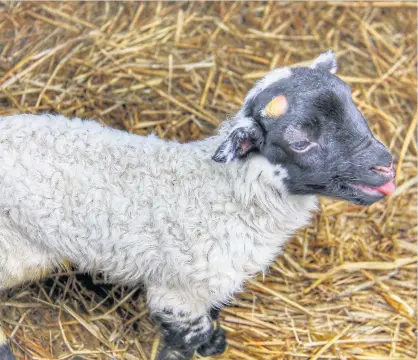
[190, 221]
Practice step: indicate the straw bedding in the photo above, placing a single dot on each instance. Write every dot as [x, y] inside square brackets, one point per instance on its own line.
[346, 286]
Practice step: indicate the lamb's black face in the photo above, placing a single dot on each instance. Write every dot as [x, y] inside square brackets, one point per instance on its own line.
[319, 137]
[322, 140]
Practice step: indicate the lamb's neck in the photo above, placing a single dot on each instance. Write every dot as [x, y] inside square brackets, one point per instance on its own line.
[259, 185]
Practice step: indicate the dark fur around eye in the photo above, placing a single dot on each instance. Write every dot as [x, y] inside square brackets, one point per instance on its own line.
[300, 145]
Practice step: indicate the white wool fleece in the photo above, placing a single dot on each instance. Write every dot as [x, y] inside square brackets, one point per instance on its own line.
[140, 209]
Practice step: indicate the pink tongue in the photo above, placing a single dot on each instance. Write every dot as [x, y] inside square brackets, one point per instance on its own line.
[387, 188]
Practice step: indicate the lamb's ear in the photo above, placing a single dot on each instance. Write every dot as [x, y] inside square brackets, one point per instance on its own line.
[326, 61]
[239, 142]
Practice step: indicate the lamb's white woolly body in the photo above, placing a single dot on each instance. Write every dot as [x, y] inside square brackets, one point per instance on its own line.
[140, 209]
[191, 221]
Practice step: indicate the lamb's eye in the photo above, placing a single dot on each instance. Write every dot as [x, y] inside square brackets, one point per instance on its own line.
[300, 146]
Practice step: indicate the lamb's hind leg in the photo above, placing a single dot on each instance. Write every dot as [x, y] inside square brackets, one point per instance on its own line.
[5, 353]
[19, 262]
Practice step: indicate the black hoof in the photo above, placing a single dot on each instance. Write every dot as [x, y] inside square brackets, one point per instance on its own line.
[169, 353]
[5, 353]
[216, 345]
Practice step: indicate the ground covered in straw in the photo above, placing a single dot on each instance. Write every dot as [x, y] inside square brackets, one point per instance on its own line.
[345, 287]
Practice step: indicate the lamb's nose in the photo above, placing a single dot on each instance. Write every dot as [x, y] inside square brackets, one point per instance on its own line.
[384, 170]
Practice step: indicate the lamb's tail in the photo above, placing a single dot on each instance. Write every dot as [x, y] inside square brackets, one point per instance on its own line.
[5, 353]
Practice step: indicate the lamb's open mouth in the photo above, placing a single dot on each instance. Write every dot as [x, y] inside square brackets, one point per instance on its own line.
[382, 190]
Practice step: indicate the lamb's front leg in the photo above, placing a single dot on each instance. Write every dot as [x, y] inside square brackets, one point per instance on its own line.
[183, 335]
[216, 344]
[185, 321]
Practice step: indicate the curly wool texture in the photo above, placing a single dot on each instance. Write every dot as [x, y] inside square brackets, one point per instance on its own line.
[139, 209]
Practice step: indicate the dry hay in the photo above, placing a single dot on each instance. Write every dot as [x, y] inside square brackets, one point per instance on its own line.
[345, 287]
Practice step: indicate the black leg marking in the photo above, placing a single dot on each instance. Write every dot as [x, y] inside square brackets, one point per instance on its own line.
[216, 344]
[170, 353]
[214, 313]
[182, 338]
[5, 353]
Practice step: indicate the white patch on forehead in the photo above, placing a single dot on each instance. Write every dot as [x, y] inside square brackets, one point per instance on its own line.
[266, 81]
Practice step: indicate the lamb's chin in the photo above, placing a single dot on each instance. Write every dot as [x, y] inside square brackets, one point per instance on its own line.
[367, 194]
[363, 198]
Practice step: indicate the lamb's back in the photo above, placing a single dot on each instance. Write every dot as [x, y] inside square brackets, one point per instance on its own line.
[93, 193]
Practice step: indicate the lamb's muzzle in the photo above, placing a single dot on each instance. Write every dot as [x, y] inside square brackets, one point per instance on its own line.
[190, 221]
